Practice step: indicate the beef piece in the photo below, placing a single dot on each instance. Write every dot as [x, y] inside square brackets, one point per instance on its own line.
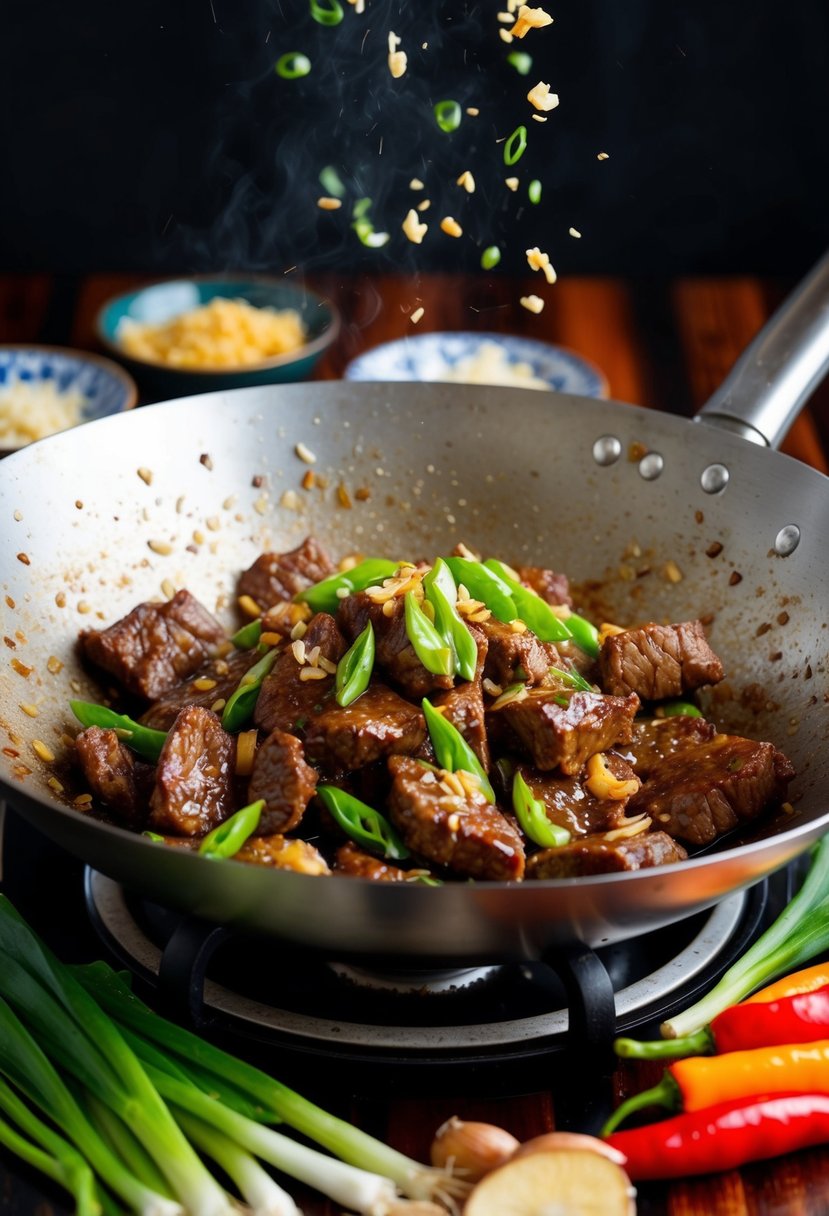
[552, 587]
[223, 676]
[597, 855]
[156, 645]
[570, 803]
[463, 705]
[114, 776]
[393, 650]
[286, 701]
[379, 723]
[287, 784]
[560, 731]
[654, 739]
[276, 577]
[513, 656]
[280, 853]
[467, 834]
[657, 661]
[357, 864]
[194, 779]
[701, 791]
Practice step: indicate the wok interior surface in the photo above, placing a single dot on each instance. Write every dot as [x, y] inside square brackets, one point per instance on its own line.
[514, 473]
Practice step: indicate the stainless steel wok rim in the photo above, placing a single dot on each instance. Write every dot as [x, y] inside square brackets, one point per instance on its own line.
[777, 843]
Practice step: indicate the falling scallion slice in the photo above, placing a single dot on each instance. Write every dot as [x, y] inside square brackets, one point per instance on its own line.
[292, 65]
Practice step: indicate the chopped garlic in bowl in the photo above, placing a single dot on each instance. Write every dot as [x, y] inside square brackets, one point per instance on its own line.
[485, 358]
[33, 409]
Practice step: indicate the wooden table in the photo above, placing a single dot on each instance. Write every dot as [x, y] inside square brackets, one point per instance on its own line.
[662, 345]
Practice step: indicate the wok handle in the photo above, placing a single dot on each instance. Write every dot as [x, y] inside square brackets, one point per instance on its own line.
[764, 391]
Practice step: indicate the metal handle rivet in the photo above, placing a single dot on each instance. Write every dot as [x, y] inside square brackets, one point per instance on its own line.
[651, 466]
[714, 479]
[787, 540]
[606, 450]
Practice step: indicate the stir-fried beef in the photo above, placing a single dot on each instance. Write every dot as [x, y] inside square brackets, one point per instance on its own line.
[379, 723]
[281, 853]
[275, 577]
[514, 656]
[654, 739]
[658, 661]
[222, 676]
[114, 775]
[463, 705]
[465, 833]
[552, 587]
[570, 803]
[564, 732]
[288, 698]
[194, 779]
[597, 855]
[281, 776]
[155, 646]
[394, 651]
[356, 863]
[702, 791]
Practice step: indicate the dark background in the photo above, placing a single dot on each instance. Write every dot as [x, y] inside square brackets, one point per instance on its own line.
[154, 135]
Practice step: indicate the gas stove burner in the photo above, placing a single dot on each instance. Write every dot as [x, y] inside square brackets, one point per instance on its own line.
[414, 982]
[521, 1008]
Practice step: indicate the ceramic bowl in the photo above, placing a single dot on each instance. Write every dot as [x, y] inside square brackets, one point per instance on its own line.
[485, 358]
[162, 301]
[106, 387]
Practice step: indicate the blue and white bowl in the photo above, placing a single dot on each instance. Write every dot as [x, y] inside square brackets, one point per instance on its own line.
[442, 356]
[106, 387]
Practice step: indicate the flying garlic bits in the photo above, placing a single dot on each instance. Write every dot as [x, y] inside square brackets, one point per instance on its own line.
[417, 315]
[529, 19]
[467, 181]
[532, 303]
[541, 97]
[575, 233]
[398, 60]
[451, 226]
[511, 183]
[413, 228]
[536, 260]
[329, 204]
[603, 156]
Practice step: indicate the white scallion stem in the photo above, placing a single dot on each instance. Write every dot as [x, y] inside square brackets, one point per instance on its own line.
[264, 1196]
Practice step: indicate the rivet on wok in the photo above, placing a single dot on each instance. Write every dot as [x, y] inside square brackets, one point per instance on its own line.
[607, 450]
[787, 540]
[651, 466]
[714, 479]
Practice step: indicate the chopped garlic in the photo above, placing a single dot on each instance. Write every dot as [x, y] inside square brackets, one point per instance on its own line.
[530, 19]
[417, 315]
[451, 226]
[398, 60]
[541, 261]
[329, 204]
[541, 97]
[467, 181]
[413, 228]
[532, 303]
[511, 183]
[416, 184]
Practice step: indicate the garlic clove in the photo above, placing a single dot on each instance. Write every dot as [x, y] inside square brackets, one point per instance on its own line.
[471, 1149]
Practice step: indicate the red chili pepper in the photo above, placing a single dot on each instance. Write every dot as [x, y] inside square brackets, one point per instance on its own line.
[704, 1081]
[724, 1136]
[793, 1019]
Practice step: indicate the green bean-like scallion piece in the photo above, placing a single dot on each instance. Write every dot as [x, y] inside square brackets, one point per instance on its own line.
[441, 592]
[584, 634]
[248, 636]
[242, 702]
[490, 257]
[227, 839]
[515, 146]
[448, 115]
[140, 739]
[425, 880]
[484, 585]
[534, 191]
[432, 650]
[331, 183]
[531, 814]
[362, 823]
[521, 61]
[154, 836]
[292, 65]
[326, 596]
[327, 12]
[452, 750]
[676, 709]
[535, 612]
[355, 667]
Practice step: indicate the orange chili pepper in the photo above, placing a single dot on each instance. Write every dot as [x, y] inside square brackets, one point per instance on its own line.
[807, 980]
[702, 1081]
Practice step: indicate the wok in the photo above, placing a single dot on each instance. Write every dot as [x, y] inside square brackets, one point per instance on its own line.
[529, 476]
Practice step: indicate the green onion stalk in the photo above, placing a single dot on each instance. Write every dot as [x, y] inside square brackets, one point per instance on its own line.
[189, 1052]
[800, 933]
